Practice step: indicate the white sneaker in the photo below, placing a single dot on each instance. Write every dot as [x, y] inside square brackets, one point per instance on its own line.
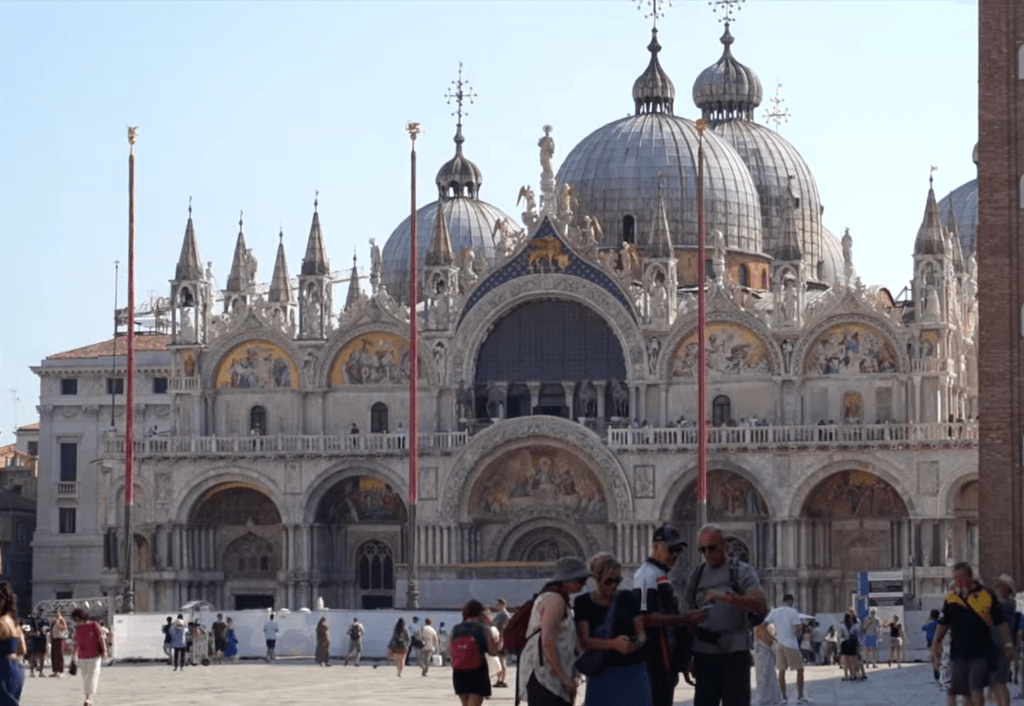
[803, 700]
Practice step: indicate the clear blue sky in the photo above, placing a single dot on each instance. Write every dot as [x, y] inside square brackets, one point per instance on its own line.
[254, 106]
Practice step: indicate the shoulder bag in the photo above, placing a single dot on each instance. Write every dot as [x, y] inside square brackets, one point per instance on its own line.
[589, 663]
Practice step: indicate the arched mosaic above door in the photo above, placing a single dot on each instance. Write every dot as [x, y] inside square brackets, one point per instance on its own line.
[731, 350]
[256, 365]
[850, 348]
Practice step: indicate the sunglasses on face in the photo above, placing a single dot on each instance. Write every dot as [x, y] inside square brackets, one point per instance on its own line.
[612, 582]
[675, 550]
[708, 548]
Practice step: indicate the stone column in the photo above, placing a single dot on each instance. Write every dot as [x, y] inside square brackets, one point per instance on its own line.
[569, 388]
[601, 386]
[534, 387]
[663, 389]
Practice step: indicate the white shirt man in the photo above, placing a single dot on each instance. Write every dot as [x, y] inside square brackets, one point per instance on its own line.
[270, 633]
[786, 620]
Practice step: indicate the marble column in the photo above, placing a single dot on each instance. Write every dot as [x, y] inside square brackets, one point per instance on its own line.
[601, 386]
[569, 388]
[534, 387]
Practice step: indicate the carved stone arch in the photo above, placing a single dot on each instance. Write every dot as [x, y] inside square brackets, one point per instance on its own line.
[688, 475]
[343, 338]
[329, 478]
[210, 361]
[142, 505]
[852, 462]
[475, 327]
[187, 498]
[949, 494]
[518, 541]
[686, 328]
[510, 433]
[851, 323]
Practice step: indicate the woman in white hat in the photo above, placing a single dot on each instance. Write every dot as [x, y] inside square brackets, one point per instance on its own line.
[551, 679]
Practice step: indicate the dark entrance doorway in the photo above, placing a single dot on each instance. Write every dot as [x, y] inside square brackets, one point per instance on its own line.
[372, 602]
[247, 601]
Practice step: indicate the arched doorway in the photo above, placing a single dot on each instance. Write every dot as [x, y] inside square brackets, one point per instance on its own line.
[545, 545]
[359, 526]
[234, 534]
[853, 521]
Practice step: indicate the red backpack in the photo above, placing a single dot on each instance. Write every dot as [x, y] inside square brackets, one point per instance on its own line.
[465, 651]
[513, 637]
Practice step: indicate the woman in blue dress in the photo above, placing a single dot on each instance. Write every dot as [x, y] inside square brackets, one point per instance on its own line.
[231, 648]
[12, 643]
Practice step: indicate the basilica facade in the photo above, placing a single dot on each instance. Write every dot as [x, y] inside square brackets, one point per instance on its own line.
[557, 381]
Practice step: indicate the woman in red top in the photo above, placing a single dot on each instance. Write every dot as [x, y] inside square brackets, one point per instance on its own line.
[89, 651]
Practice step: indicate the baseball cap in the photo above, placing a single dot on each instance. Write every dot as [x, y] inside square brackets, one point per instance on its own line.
[670, 536]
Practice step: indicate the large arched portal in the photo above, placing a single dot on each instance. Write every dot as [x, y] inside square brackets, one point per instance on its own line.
[532, 499]
[853, 521]
[735, 504]
[358, 538]
[524, 364]
[235, 534]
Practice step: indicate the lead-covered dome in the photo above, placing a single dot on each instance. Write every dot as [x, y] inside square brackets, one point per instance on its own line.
[963, 201]
[615, 172]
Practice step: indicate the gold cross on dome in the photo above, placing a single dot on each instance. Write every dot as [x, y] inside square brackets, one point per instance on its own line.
[459, 94]
[657, 9]
[727, 7]
[777, 113]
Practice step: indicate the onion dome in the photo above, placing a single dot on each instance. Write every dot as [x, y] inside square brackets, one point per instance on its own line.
[727, 88]
[653, 91]
[459, 177]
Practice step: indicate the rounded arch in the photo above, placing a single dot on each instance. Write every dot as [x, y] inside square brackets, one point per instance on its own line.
[389, 341]
[737, 345]
[189, 497]
[856, 463]
[234, 504]
[961, 496]
[544, 540]
[476, 327]
[731, 480]
[322, 484]
[850, 344]
[247, 362]
[512, 434]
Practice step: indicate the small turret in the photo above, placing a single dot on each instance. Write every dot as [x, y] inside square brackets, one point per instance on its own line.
[316, 298]
[653, 91]
[191, 297]
[353, 286]
[280, 287]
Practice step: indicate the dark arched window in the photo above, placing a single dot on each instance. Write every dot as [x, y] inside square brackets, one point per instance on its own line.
[376, 567]
[721, 410]
[258, 421]
[764, 280]
[744, 275]
[821, 270]
[628, 229]
[379, 418]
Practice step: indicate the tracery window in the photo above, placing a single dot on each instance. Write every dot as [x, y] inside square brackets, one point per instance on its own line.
[376, 567]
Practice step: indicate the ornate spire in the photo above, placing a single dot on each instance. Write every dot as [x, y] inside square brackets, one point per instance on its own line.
[353, 285]
[440, 252]
[459, 176]
[660, 244]
[930, 240]
[239, 277]
[189, 263]
[315, 261]
[653, 91]
[280, 288]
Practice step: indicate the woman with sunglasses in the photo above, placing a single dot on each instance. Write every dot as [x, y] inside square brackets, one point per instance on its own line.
[622, 676]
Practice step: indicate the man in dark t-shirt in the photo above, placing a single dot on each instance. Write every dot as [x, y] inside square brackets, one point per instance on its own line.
[972, 613]
[220, 637]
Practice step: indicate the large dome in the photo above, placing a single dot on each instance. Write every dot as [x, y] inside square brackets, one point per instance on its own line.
[830, 271]
[779, 174]
[615, 172]
[964, 201]
[470, 224]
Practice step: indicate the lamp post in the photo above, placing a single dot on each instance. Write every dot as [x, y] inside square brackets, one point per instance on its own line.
[413, 589]
[702, 354]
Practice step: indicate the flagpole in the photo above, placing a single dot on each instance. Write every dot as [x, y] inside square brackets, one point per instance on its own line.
[413, 591]
[128, 605]
[702, 354]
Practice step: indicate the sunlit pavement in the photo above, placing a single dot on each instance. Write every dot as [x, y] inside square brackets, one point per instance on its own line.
[302, 682]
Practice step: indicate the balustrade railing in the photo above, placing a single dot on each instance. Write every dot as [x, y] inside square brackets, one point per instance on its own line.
[936, 434]
[68, 489]
[345, 444]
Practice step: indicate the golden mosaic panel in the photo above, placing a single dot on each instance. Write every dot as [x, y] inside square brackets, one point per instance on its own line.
[731, 350]
[377, 358]
[851, 348]
[854, 494]
[536, 477]
[256, 365]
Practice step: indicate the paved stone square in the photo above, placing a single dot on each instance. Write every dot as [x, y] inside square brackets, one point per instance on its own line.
[301, 682]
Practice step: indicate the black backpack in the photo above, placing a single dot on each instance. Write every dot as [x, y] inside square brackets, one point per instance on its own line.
[353, 631]
[753, 618]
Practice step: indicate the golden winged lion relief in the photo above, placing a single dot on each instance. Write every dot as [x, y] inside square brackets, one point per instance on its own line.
[547, 249]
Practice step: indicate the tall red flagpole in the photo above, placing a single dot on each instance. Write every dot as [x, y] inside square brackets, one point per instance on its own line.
[129, 397]
[702, 354]
[413, 591]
